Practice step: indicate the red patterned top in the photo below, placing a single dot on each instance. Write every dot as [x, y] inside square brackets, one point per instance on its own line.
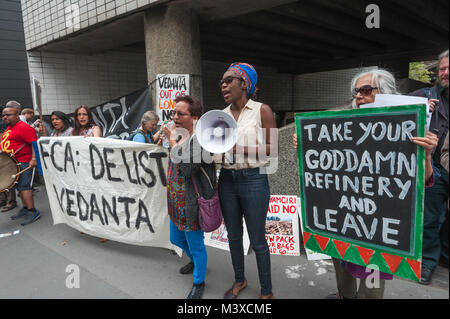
[17, 140]
[176, 199]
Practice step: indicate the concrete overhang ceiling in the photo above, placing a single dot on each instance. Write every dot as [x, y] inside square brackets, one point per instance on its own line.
[103, 37]
[292, 36]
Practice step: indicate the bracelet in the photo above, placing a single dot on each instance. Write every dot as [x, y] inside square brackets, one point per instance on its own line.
[33, 159]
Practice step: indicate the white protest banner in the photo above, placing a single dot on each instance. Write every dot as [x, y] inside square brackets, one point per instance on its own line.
[282, 232]
[168, 88]
[219, 238]
[108, 188]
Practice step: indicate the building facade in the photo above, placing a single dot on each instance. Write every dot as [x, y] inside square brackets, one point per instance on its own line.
[14, 74]
[91, 51]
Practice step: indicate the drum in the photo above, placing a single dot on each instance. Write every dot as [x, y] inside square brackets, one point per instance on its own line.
[9, 166]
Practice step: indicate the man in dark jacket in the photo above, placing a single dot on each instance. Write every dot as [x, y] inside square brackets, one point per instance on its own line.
[436, 197]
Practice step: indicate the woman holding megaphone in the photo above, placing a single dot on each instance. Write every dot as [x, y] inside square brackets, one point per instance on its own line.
[243, 185]
[190, 176]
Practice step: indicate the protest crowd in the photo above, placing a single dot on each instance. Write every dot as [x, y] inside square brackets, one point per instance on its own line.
[241, 189]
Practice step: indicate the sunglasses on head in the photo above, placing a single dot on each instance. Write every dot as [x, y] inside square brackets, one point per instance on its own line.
[365, 90]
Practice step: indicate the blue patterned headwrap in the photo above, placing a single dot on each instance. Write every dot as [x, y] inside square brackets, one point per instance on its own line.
[248, 73]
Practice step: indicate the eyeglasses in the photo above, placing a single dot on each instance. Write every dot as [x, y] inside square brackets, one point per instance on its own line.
[365, 90]
[173, 113]
[6, 115]
[228, 80]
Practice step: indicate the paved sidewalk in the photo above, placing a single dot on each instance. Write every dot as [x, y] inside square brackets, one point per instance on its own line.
[33, 264]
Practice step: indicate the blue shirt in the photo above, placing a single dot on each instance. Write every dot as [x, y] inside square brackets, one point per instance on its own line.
[139, 137]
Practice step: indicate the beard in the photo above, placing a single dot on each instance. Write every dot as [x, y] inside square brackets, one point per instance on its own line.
[444, 82]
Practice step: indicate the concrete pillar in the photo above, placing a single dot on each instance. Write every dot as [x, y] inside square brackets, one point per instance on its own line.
[172, 45]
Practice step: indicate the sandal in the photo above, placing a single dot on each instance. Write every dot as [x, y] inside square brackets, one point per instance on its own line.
[234, 291]
[8, 207]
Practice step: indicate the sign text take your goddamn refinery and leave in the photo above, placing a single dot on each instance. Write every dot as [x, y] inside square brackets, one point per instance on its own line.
[359, 174]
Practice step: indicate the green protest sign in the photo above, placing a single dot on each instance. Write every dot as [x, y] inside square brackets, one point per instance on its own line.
[362, 186]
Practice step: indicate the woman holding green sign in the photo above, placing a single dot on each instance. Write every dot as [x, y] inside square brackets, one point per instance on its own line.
[364, 87]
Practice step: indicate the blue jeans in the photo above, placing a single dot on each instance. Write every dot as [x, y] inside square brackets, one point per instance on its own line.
[192, 243]
[245, 193]
[434, 212]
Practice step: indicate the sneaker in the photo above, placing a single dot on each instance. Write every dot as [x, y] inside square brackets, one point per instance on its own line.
[187, 269]
[196, 291]
[22, 213]
[31, 217]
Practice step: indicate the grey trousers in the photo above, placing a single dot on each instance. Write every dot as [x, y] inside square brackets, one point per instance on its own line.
[347, 285]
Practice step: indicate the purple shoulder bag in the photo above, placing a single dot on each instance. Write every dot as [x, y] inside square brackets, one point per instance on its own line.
[209, 211]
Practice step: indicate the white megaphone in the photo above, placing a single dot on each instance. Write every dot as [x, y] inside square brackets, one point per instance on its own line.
[216, 131]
